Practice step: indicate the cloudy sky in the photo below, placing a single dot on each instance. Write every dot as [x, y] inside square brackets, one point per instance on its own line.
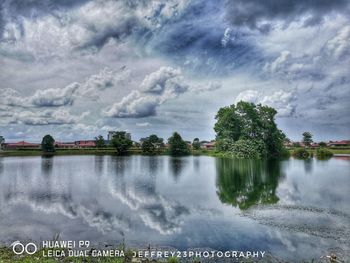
[76, 69]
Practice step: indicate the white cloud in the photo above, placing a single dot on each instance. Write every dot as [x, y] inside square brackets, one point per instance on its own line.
[55, 97]
[282, 101]
[227, 37]
[156, 88]
[60, 32]
[134, 105]
[143, 124]
[248, 95]
[166, 80]
[47, 117]
[211, 86]
[339, 46]
[278, 63]
[95, 84]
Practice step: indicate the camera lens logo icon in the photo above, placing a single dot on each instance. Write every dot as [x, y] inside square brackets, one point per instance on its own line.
[18, 248]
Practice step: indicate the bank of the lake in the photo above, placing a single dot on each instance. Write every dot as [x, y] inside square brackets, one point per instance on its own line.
[111, 151]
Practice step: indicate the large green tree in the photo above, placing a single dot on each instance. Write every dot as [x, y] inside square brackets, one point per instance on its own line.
[100, 141]
[249, 122]
[307, 138]
[177, 145]
[152, 144]
[48, 143]
[120, 142]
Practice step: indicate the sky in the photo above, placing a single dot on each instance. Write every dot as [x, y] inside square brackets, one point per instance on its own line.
[77, 69]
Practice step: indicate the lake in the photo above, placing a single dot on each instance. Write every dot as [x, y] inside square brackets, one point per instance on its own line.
[293, 209]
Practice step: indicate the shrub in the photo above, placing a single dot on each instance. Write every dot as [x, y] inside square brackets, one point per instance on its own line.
[322, 153]
[301, 153]
[248, 149]
[284, 153]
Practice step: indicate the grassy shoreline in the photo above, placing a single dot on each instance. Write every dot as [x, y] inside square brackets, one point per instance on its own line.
[110, 151]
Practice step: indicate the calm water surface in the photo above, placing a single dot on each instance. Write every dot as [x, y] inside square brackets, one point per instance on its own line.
[291, 208]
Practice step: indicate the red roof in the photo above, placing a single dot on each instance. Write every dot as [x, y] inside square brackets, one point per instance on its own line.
[72, 144]
[86, 143]
[208, 144]
[22, 143]
[343, 142]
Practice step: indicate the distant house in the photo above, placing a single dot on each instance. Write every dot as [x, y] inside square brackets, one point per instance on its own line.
[65, 145]
[85, 144]
[208, 145]
[288, 144]
[338, 143]
[314, 145]
[21, 145]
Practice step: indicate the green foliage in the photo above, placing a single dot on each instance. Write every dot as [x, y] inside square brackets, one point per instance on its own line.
[223, 145]
[285, 153]
[249, 122]
[100, 141]
[301, 153]
[296, 144]
[307, 138]
[121, 143]
[152, 145]
[173, 260]
[322, 144]
[248, 149]
[177, 146]
[196, 145]
[322, 153]
[48, 144]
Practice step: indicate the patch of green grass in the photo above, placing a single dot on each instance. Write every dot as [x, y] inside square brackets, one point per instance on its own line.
[332, 150]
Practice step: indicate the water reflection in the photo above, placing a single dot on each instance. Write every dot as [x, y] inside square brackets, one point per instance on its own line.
[244, 183]
[140, 195]
[99, 164]
[176, 166]
[109, 198]
[153, 163]
[46, 165]
[308, 165]
[117, 165]
[1, 166]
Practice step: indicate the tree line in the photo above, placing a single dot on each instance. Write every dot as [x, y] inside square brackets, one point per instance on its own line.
[121, 143]
[243, 130]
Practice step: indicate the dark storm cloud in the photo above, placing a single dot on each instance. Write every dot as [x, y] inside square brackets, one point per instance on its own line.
[251, 12]
[200, 39]
[38, 7]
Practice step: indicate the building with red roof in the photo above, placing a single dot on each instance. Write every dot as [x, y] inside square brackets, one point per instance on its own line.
[65, 145]
[21, 145]
[338, 143]
[85, 144]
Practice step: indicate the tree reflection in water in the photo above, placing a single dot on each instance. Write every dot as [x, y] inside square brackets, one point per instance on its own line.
[176, 165]
[1, 166]
[244, 183]
[46, 165]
